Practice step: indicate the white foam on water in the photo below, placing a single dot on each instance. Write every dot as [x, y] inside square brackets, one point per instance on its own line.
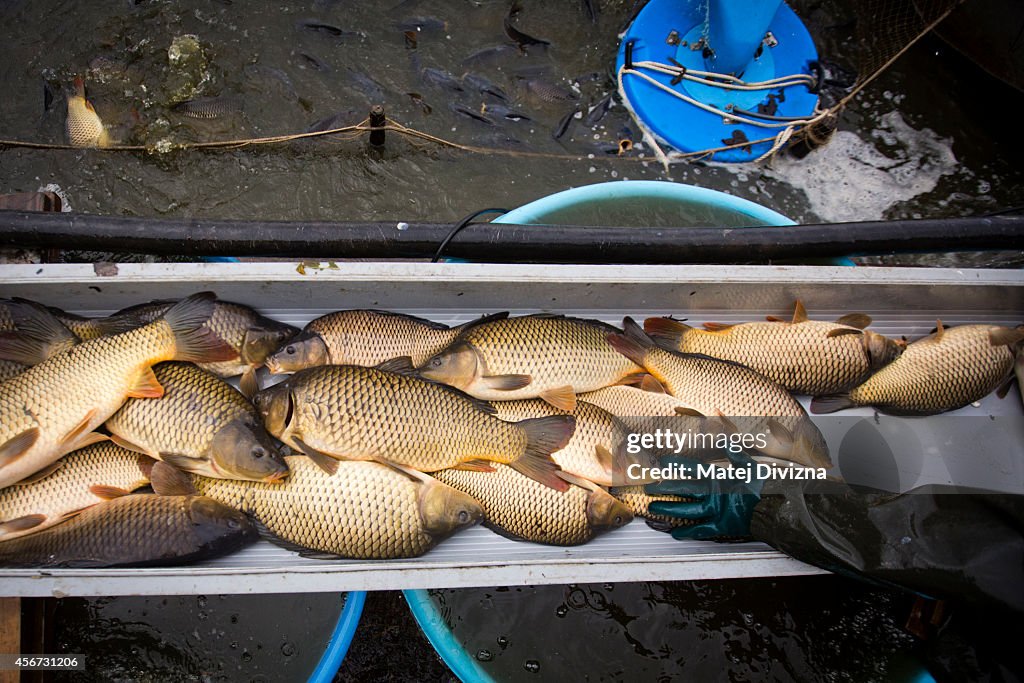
[850, 179]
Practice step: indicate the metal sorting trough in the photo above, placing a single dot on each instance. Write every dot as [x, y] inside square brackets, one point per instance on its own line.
[901, 301]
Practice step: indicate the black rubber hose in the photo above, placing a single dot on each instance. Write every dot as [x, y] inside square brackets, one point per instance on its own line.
[504, 243]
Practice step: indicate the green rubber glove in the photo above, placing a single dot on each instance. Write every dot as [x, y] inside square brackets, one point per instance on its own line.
[722, 509]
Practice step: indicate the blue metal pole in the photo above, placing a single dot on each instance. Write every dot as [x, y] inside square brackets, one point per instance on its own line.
[735, 29]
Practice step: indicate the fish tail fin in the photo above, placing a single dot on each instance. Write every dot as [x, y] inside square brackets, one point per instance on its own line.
[193, 341]
[666, 331]
[544, 436]
[38, 334]
[633, 343]
[831, 404]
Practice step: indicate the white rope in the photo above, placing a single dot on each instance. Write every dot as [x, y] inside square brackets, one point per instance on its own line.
[781, 139]
[726, 81]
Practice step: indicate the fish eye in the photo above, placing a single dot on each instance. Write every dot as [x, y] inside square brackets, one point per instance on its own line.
[258, 452]
[436, 362]
[463, 516]
[290, 350]
[618, 519]
[233, 524]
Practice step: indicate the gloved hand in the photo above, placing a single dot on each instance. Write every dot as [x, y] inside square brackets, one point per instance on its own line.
[722, 509]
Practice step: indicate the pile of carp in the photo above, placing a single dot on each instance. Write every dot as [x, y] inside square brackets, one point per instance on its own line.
[403, 431]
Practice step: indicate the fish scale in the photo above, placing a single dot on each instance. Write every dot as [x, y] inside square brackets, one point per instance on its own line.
[364, 511]
[135, 530]
[554, 351]
[798, 355]
[68, 488]
[520, 507]
[935, 375]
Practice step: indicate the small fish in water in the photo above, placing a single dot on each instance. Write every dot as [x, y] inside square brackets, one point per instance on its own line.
[411, 41]
[518, 37]
[88, 476]
[948, 369]
[327, 29]
[522, 509]
[422, 24]
[209, 107]
[336, 412]
[598, 111]
[552, 357]
[805, 356]
[484, 86]
[504, 112]
[418, 100]
[488, 56]
[202, 425]
[47, 97]
[365, 84]
[440, 79]
[367, 338]
[315, 62]
[563, 125]
[139, 530]
[468, 112]
[54, 407]
[84, 127]
[549, 92]
[341, 119]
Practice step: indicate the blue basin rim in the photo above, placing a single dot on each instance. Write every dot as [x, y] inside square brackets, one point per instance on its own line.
[440, 636]
[341, 638]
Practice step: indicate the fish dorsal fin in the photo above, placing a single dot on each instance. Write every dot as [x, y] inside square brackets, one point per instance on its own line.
[108, 492]
[775, 319]
[718, 327]
[321, 460]
[146, 385]
[482, 320]
[249, 383]
[170, 481]
[939, 330]
[563, 397]
[399, 366]
[799, 312]
[41, 474]
[841, 331]
[858, 320]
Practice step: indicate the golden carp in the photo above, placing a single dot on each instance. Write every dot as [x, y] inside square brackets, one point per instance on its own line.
[632, 405]
[946, 370]
[725, 389]
[365, 510]
[84, 127]
[201, 425]
[596, 450]
[804, 356]
[253, 336]
[88, 476]
[519, 507]
[552, 357]
[355, 413]
[52, 408]
[368, 338]
[135, 531]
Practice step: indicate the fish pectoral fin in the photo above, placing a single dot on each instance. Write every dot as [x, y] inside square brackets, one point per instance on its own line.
[107, 492]
[1004, 388]
[563, 398]
[146, 385]
[402, 365]
[506, 382]
[659, 525]
[135, 448]
[799, 312]
[170, 481]
[605, 458]
[688, 412]
[41, 474]
[410, 472]
[249, 383]
[474, 466]
[650, 383]
[321, 460]
[17, 446]
[183, 462]
[842, 331]
[718, 327]
[87, 439]
[21, 524]
[780, 432]
[575, 480]
[858, 320]
[632, 379]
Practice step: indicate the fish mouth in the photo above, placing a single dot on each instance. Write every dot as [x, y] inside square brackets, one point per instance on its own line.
[275, 477]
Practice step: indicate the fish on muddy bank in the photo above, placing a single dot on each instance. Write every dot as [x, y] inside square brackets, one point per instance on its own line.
[54, 407]
[253, 336]
[365, 510]
[552, 357]
[368, 338]
[139, 530]
[727, 391]
[88, 476]
[84, 127]
[202, 425]
[949, 369]
[520, 508]
[804, 356]
[355, 413]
